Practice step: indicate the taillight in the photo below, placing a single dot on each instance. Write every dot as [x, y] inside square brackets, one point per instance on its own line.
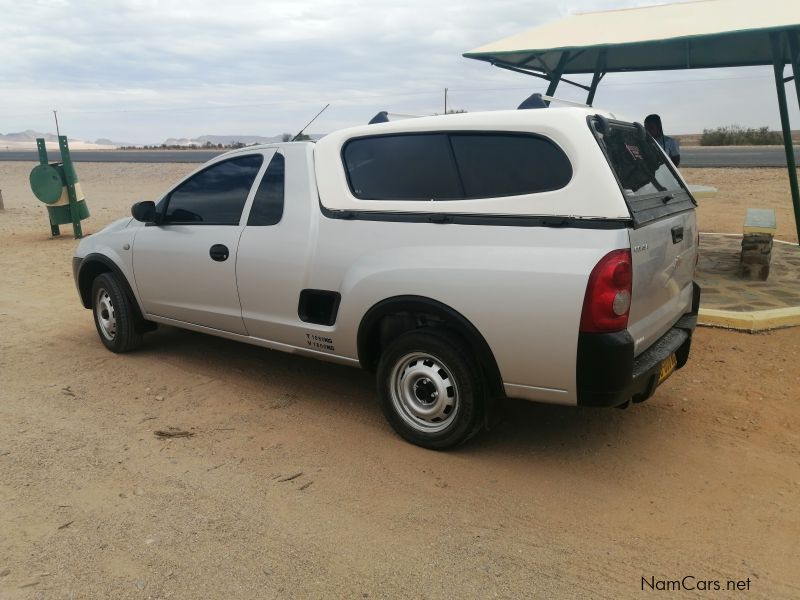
[607, 302]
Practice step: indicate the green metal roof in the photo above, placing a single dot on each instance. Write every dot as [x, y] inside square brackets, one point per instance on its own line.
[691, 35]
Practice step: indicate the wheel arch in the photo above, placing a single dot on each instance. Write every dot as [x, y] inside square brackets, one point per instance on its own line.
[94, 265]
[415, 312]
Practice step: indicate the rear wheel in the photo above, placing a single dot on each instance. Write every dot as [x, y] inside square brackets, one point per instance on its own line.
[430, 388]
[114, 315]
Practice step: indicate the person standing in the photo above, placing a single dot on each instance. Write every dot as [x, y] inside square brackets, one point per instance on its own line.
[670, 146]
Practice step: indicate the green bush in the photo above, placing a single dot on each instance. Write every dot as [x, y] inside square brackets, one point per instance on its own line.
[734, 135]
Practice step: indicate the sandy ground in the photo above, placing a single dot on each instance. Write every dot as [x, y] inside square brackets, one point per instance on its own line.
[53, 145]
[294, 486]
[740, 189]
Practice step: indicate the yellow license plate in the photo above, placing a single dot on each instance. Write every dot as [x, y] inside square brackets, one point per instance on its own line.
[667, 367]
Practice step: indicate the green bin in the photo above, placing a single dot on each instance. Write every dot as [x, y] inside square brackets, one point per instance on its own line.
[57, 185]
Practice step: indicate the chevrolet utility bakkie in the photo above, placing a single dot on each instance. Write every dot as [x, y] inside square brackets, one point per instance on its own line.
[539, 254]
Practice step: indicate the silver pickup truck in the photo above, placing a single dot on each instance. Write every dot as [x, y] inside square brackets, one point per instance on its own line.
[539, 254]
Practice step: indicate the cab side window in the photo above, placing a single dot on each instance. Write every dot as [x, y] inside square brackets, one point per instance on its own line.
[267, 206]
[215, 196]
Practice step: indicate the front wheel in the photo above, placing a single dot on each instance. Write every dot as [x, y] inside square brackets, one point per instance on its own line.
[430, 389]
[114, 315]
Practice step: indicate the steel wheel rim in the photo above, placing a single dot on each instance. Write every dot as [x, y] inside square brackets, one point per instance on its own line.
[424, 392]
[105, 314]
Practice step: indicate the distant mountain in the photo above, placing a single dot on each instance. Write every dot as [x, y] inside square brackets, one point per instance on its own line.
[29, 135]
[225, 140]
[26, 140]
[108, 142]
[228, 140]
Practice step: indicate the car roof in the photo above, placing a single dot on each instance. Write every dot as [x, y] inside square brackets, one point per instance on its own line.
[468, 120]
[476, 120]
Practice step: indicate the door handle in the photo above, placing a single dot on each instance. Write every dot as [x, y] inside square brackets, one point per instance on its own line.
[677, 234]
[219, 252]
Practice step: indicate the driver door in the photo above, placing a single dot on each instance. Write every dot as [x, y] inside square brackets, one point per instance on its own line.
[185, 264]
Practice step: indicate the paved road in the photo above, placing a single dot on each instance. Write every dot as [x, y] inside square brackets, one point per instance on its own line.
[134, 156]
[769, 156]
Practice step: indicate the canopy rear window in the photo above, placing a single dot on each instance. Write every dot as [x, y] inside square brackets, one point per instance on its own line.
[647, 178]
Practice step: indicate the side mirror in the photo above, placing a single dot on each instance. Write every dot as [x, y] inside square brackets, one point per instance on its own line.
[144, 211]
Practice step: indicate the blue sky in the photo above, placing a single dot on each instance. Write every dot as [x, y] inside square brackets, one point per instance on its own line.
[144, 70]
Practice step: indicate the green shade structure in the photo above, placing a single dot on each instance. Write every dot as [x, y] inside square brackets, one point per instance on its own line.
[691, 35]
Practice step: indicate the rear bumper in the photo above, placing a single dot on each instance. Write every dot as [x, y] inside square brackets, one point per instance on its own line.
[609, 375]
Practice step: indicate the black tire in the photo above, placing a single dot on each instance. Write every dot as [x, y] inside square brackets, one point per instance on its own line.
[115, 317]
[416, 374]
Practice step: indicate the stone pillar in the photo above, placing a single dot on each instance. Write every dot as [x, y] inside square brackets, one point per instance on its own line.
[756, 255]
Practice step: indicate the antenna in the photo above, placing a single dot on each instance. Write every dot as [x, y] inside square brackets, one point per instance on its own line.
[299, 133]
[55, 114]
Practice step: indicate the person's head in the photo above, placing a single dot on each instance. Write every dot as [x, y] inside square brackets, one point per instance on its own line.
[653, 125]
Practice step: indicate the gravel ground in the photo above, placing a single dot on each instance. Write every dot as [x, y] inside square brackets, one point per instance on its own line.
[740, 189]
[291, 485]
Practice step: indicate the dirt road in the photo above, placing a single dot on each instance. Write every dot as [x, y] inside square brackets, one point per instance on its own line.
[292, 484]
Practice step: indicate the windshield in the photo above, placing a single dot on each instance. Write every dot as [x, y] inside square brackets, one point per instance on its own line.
[640, 166]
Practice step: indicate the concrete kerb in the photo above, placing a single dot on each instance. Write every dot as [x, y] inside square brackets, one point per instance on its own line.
[775, 240]
[749, 321]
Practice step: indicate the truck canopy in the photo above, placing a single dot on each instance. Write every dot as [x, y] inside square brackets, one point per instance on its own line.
[510, 163]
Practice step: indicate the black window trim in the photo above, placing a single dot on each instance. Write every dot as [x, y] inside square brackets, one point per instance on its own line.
[449, 133]
[168, 196]
[479, 219]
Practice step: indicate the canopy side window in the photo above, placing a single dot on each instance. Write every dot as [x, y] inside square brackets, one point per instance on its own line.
[454, 166]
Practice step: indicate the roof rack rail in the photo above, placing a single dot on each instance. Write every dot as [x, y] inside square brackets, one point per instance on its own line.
[538, 100]
[383, 117]
[533, 101]
[567, 102]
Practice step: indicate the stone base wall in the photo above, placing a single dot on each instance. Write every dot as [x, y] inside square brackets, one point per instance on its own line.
[756, 255]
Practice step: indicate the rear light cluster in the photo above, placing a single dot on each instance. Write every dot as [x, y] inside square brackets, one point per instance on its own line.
[607, 302]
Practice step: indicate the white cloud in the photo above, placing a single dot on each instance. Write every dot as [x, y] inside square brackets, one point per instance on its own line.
[144, 70]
